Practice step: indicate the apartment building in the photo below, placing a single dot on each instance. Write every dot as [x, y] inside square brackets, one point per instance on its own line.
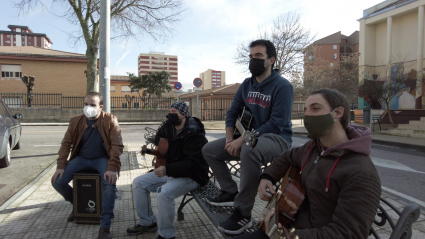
[212, 79]
[159, 61]
[24, 36]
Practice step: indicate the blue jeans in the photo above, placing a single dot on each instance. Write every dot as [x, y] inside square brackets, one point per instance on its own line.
[167, 189]
[79, 164]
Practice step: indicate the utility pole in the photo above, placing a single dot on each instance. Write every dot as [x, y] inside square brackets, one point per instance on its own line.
[104, 55]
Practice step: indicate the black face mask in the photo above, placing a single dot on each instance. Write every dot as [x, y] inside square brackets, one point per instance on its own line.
[256, 66]
[173, 118]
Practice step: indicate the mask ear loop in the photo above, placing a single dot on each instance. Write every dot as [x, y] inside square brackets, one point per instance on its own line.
[333, 112]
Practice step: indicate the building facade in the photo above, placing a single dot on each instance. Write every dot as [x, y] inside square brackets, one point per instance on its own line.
[54, 71]
[329, 50]
[158, 61]
[23, 36]
[392, 32]
[212, 79]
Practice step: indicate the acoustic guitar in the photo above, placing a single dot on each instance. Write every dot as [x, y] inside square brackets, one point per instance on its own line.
[286, 202]
[159, 153]
[244, 129]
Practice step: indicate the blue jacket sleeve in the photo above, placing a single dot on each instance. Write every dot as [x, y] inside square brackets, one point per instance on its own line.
[234, 110]
[281, 111]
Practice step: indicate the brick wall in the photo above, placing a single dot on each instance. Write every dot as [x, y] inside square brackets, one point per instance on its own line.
[67, 78]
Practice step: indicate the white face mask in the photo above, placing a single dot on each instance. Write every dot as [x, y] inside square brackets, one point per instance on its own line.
[90, 111]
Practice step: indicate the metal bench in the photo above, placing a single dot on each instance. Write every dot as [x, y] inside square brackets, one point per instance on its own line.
[402, 229]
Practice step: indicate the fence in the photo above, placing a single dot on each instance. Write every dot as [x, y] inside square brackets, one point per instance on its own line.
[57, 100]
[216, 109]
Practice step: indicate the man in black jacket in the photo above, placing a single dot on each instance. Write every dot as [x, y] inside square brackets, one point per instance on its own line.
[185, 171]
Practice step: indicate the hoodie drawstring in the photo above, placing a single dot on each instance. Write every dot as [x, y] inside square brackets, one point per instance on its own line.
[329, 175]
[305, 161]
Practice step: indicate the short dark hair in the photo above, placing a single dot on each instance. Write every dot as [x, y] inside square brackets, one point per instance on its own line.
[270, 48]
[336, 99]
[93, 94]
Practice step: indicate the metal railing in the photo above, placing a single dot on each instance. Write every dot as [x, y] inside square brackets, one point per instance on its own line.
[15, 100]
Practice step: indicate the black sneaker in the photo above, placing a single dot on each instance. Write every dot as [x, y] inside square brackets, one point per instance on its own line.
[235, 224]
[160, 237]
[139, 229]
[223, 199]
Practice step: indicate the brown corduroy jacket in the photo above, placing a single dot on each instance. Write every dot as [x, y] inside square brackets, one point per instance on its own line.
[348, 207]
[111, 134]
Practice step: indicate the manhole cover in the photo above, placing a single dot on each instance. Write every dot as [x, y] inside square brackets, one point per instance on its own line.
[2, 185]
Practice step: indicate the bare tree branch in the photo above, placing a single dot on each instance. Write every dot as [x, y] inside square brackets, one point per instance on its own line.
[290, 39]
[130, 19]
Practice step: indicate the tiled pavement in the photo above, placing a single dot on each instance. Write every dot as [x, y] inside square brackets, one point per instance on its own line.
[39, 212]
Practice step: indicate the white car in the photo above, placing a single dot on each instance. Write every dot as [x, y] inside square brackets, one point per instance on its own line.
[10, 133]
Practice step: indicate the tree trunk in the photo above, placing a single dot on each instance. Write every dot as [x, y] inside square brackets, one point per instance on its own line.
[91, 54]
[388, 108]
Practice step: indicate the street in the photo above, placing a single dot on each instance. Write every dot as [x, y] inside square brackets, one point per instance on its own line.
[402, 171]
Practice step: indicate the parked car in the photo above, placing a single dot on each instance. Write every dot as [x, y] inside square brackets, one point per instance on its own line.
[10, 133]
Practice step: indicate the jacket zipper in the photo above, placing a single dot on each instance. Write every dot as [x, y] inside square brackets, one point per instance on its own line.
[314, 164]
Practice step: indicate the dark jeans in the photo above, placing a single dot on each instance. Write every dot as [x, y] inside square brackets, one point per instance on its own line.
[79, 164]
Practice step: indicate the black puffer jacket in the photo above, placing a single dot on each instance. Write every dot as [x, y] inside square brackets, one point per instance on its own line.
[184, 155]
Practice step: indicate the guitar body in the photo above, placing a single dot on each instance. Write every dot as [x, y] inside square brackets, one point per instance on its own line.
[244, 128]
[286, 201]
[160, 152]
[245, 118]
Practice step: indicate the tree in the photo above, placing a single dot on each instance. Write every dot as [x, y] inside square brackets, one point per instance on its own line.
[290, 39]
[343, 76]
[129, 19]
[153, 83]
[29, 82]
[386, 88]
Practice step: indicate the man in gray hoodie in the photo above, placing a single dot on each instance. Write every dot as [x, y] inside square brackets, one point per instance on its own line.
[342, 185]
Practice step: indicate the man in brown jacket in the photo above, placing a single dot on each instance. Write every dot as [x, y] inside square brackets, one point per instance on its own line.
[94, 140]
[342, 185]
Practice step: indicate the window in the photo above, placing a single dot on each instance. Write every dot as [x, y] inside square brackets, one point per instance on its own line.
[11, 71]
[29, 43]
[332, 64]
[124, 105]
[335, 56]
[112, 88]
[125, 88]
[29, 37]
[335, 47]
[8, 36]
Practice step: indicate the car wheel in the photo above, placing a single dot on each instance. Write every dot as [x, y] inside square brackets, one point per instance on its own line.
[5, 161]
[17, 146]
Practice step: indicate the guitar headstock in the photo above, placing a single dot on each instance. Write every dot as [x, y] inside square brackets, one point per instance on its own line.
[251, 138]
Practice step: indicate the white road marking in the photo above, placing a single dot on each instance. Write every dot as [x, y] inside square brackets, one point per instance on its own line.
[393, 165]
[417, 201]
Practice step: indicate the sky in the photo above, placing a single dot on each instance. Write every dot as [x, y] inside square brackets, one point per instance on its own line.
[207, 35]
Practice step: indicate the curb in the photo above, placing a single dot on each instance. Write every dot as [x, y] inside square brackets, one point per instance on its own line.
[399, 145]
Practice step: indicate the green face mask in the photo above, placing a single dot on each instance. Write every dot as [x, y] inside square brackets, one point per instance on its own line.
[318, 124]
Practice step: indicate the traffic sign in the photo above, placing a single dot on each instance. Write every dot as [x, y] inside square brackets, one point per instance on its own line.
[197, 82]
[178, 85]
